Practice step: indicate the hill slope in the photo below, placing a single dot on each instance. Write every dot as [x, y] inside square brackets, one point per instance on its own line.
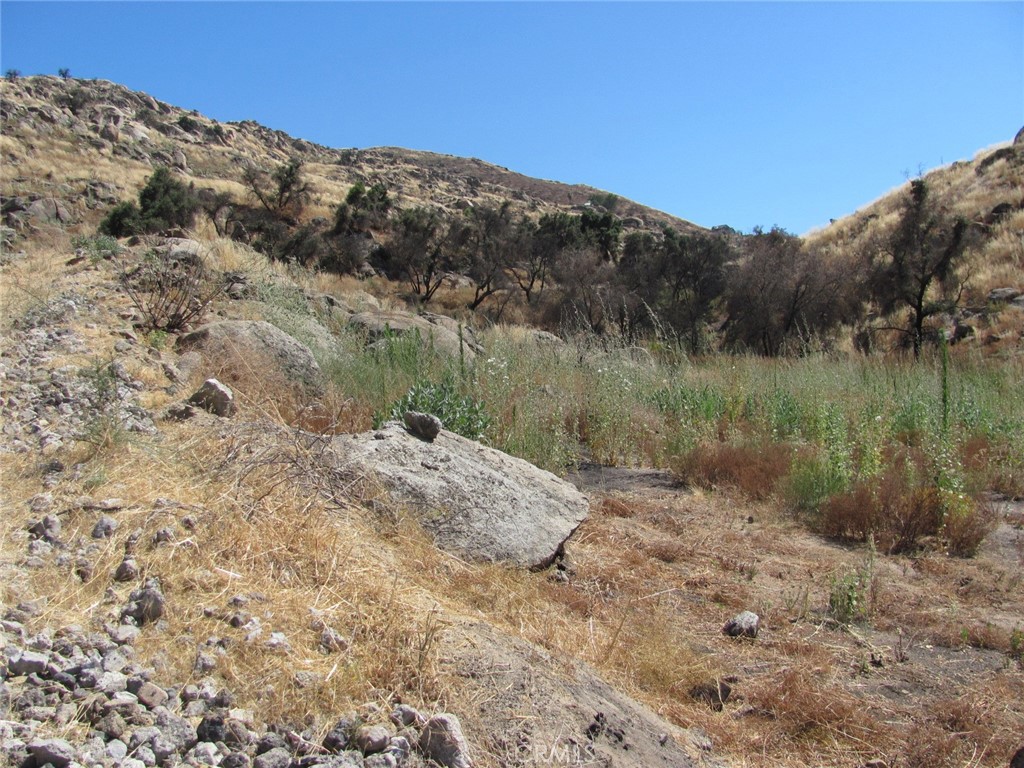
[118, 133]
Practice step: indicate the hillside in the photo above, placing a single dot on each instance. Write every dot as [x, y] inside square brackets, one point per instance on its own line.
[123, 133]
[609, 554]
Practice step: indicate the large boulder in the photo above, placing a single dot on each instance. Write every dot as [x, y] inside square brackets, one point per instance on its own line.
[434, 330]
[256, 343]
[49, 210]
[475, 501]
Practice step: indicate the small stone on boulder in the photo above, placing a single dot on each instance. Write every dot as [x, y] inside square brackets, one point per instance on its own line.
[425, 426]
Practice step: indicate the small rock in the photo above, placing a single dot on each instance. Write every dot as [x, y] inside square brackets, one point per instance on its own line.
[278, 757]
[146, 604]
[178, 733]
[404, 715]
[714, 694]
[332, 641]
[151, 696]
[214, 397]
[340, 735]
[381, 760]
[425, 426]
[27, 662]
[122, 634]
[164, 535]
[370, 739]
[56, 752]
[1002, 295]
[104, 527]
[278, 642]
[111, 724]
[146, 755]
[48, 529]
[236, 760]
[400, 748]
[745, 624]
[442, 741]
[205, 753]
[128, 570]
[205, 662]
[116, 750]
[271, 740]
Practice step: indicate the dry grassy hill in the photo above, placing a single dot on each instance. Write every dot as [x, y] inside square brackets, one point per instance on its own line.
[97, 132]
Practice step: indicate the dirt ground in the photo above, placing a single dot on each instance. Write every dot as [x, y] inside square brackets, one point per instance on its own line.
[928, 673]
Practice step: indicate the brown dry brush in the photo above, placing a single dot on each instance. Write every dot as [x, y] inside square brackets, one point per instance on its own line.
[753, 468]
[170, 290]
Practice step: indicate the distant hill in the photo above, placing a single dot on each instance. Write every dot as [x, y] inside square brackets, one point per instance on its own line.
[100, 122]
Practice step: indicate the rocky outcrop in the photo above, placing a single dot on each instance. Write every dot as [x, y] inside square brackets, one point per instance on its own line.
[441, 333]
[566, 715]
[256, 344]
[475, 501]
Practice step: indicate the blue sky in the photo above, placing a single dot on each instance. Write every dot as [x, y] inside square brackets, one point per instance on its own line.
[732, 113]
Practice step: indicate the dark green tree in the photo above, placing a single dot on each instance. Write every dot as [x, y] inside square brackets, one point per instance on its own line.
[602, 230]
[123, 220]
[166, 202]
[284, 194]
[495, 238]
[917, 268]
[422, 248]
[363, 209]
[783, 292]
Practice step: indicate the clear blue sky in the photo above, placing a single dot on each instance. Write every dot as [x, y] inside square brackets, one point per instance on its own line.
[722, 113]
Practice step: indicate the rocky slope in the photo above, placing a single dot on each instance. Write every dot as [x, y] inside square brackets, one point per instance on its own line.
[115, 651]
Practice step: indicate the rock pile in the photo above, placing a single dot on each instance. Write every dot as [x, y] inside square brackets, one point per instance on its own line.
[44, 409]
[52, 681]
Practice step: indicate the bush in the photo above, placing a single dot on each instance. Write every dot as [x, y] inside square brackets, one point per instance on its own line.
[899, 513]
[189, 124]
[459, 413]
[752, 468]
[102, 247]
[124, 220]
[163, 203]
[170, 293]
[966, 523]
[166, 202]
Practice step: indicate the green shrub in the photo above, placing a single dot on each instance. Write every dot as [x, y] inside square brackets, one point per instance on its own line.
[97, 248]
[163, 203]
[851, 594]
[459, 413]
[965, 523]
[812, 480]
[124, 220]
[166, 202]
